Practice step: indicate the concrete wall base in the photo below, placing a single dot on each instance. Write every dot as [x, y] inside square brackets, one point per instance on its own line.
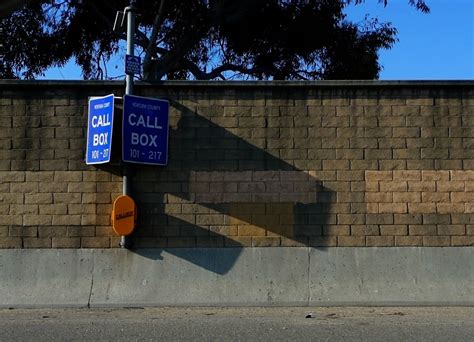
[237, 277]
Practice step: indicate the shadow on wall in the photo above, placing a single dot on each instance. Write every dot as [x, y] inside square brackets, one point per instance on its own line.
[220, 190]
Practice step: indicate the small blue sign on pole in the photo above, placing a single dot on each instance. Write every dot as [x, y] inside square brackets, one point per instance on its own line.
[132, 65]
[145, 130]
[100, 123]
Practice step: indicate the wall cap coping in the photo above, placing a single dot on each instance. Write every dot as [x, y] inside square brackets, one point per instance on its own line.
[243, 84]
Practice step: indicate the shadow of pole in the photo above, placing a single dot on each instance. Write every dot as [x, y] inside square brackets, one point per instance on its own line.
[241, 195]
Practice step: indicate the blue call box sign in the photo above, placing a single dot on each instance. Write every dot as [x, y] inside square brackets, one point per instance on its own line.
[100, 123]
[132, 65]
[145, 130]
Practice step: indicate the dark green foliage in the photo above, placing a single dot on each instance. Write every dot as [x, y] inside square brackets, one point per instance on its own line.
[199, 39]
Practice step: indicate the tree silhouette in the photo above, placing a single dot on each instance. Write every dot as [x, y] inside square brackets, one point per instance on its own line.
[198, 39]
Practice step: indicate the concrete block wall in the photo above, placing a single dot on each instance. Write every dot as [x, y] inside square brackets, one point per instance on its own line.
[321, 164]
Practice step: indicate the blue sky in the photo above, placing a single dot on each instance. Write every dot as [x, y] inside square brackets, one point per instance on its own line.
[436, 46]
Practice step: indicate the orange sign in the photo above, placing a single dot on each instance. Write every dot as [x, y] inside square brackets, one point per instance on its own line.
[124, 215]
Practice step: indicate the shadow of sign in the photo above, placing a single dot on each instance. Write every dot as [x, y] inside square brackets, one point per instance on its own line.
[222, 187]
[207, 258]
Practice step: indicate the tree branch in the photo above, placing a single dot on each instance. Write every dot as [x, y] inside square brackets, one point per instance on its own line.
[150, 50]
[217, 72]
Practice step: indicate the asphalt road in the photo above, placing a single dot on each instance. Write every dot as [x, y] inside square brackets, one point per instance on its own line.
[239, 324]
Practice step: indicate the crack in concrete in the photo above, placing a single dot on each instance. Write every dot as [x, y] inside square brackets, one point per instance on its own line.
[309, 277]
[92, 285]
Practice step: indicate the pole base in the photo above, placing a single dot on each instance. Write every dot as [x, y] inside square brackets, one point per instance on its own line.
[125, 242]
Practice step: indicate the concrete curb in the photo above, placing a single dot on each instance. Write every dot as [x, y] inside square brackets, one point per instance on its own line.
[44, 278]
[237, 277]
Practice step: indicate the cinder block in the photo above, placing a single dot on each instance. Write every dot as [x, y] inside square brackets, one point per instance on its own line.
[11, 220]
[37, 242]
[349, 110]
[419, 121]
[392, 142]
[39, 220]
[428, 175]
[76, 209]
[436, 219]
[406, 132]
[80, 231]
[95, 242]
[351, 241]
[238, 241]
[323, 241]
[211, 219]
[462, 218]
[379, 218]
[379, 197]
[407, 153]
[12, 176]
[450, 208]
[436, 241]
[61, 220]
[49, 165]
[67, 176]
[210, 241]
[336, 230]
[23, 231]
[50, 231]
[266, 241]
[407, 175]
[63, 132]
[408, 241]
[54, 121]
[435, 197]
[421, 208]
[458, 241]
[434, 110]
[62, 242]
[83, 187]
[458, 229]
[408, 219]
[336, 165]
[181, 241]
[394, 230]
[290, 242]
[339, 101]
[434, 153]
[395, 186]
[421, 101]
[462, 197]
[343, 219]
[364, 230]
[88, 198]
[24, 165]
[96, 176]
[422, 230]
[251, 230]
[11, 242]
[425, 186]
[367, 143]
[22, 209]
[420, 164]
[406, 197]
[379, 241]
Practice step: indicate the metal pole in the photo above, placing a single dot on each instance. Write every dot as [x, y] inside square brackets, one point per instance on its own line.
[126, 190]
[130, 10]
